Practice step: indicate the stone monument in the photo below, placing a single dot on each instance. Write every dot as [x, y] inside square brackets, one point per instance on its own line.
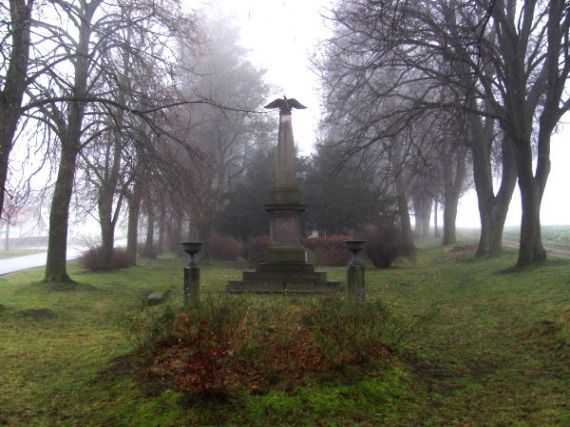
[285, 268]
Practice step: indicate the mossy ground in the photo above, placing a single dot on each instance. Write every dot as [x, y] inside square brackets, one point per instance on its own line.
[489, 348]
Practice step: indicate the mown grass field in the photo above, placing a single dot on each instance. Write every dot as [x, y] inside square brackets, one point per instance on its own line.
[486, 348]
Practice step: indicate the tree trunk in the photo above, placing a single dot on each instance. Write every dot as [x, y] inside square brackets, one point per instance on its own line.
[435, 220]
[422, 209]
[70, 134]
[148, 250]
[449, 215]
[133, 202]
[15, 85]
[406, 238]
[108, 218]
[453, 176]
[7, 234]
[531, 250]
[175, 234]
[107, 239]
[56, 266]
[161, 231]
[493, 209]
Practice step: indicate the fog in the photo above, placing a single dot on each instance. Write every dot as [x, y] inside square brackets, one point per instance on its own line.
[285, 40]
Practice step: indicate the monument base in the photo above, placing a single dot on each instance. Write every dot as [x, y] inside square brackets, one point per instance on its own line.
[298, 278]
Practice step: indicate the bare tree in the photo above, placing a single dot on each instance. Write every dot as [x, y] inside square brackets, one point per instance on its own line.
[504, 60]
[225, 137]
[15, 47]
[17, 198]
[96, 30]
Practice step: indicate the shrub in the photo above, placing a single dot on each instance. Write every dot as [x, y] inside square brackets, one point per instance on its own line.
[330, 251]
[384, 245]
[345, 332]
[228, 343]
[149, 329]
[197, 355]
[224, 248]
[93, 260]
[257, 248]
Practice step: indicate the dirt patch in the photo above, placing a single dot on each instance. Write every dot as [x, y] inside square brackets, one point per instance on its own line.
[464, 248]
[546, 337]
[39, 313]
[461, 253]
[133, 365]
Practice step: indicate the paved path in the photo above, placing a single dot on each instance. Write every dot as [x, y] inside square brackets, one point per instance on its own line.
[11, 265]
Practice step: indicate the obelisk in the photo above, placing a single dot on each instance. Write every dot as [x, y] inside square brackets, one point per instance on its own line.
[285, 267]
[285, 206]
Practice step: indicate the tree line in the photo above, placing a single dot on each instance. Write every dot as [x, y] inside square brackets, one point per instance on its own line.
[144, 112]
[458, 88]
[136, 108]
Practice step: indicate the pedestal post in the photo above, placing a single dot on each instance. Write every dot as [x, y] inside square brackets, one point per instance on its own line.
[191, 275]
[355, 283]
[355, 272]
[191, 286]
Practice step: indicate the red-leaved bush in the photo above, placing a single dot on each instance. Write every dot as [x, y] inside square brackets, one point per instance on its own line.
[92, 259]
[329, 250]
[257, 248]
[227, 345]
[224, 248]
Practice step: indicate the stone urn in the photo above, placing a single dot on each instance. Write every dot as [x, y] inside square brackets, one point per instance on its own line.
[355, 246]
[192, 248]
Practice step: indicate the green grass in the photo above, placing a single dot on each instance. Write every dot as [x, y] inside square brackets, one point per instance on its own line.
[487, 349]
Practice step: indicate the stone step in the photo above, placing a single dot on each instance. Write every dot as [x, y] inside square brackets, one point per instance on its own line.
[266, 267]
[291, 277]
[247, 286]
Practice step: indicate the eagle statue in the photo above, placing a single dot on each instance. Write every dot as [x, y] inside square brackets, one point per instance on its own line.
[285, 104]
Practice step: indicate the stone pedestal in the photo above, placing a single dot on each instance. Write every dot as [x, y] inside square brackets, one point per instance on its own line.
[285, 268]
[355, 283]
[191, 286]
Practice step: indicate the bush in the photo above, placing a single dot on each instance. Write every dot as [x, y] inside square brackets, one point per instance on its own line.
[149, 329]
[224, 248]
[92, 259]
[345, 332]
[330, 251]
[231, 343]
[384, 245]
[257, 248]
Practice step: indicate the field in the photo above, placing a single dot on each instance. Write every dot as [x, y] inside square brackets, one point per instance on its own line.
[552, 235]
[482, 348]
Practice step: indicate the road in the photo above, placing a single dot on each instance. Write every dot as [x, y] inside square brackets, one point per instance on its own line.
[12, 265]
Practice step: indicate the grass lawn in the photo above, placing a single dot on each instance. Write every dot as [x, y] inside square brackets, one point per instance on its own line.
[486, 348]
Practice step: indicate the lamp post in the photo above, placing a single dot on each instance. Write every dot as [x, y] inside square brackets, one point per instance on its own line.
[355, 272]
[191, 274]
